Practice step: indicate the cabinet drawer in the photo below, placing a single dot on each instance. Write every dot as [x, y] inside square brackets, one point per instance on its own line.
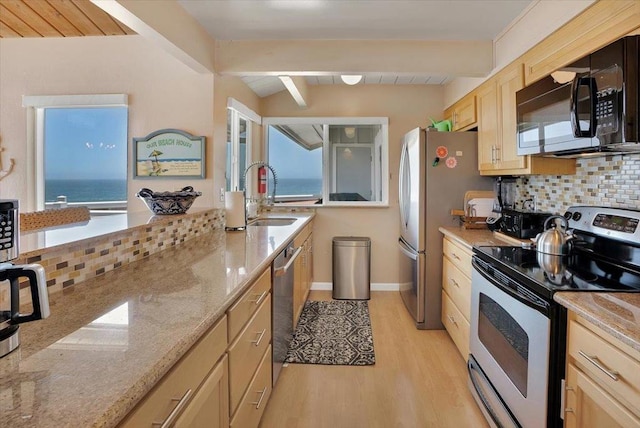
[256, 398]
[247, 350]
[248, 304]
[597, 357]
[459, 256]
[186, 375]
[456, 325]
[457, 286]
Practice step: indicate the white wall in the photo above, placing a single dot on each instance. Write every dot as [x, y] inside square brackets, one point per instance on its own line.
[163, 93]
[406, 106]
[535, 23]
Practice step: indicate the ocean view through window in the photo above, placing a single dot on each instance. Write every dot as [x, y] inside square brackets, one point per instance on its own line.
[85, 155]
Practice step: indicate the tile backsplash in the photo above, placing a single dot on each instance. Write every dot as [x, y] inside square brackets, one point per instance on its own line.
[612, 181]
[76, 262]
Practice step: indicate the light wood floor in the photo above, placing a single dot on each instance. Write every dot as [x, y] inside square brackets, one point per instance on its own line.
[419, 380]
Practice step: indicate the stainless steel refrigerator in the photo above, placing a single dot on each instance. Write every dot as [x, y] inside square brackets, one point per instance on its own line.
[436, 169]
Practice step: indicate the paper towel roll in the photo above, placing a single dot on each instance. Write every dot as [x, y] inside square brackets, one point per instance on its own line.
[234, 210]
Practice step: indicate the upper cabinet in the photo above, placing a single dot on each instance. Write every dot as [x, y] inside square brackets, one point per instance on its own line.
[463, 114]
[599, 25]
[497, 124]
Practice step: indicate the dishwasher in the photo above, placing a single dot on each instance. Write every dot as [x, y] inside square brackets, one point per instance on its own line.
[283, 278]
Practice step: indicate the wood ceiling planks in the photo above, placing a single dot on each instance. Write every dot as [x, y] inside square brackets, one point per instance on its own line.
[57, 18]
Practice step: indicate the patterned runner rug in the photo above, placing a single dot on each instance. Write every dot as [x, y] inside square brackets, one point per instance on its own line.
[333, 332]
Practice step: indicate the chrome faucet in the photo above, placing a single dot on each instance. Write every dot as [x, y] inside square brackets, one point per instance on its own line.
[273, 172]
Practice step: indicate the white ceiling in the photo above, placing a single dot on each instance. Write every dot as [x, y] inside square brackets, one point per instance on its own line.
[353, 20]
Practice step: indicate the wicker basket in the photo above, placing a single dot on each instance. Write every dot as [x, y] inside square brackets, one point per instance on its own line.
[53, 217]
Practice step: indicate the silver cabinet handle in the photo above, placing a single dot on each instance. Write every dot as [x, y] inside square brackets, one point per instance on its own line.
[259, 402]
[454, 282]
[452, 319]
[176, 410]
[497, 156]
[260, 298]
[455, 256]
[261, 335]
[594, 360]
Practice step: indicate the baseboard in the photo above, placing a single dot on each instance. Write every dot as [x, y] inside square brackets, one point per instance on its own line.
[375, 286]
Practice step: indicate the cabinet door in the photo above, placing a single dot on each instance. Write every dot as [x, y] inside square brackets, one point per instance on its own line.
[589, 406]
[464, 113]
[209, 408]
[487, 127]
[509, 82]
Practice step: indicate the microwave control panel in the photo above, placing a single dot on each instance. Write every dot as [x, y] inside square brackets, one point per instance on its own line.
[608, 84]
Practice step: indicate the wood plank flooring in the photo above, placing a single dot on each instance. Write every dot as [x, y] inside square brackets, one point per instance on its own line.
[419, 380]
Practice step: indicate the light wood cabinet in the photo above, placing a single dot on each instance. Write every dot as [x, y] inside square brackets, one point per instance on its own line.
[256, 396]
[246, 351]
[462, 114]
[210, 406]
[213, 380]
[456, 293]
[497, 130]
[194, 388]
[303, 271]
[603, 378]
[599, 25]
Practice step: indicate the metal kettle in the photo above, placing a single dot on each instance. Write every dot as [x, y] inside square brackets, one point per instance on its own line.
[553, 240]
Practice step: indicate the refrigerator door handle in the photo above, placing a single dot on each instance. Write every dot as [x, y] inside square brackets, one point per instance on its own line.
[405, 186]
[406, 250]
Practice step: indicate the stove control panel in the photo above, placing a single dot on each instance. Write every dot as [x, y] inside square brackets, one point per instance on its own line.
[614, 223]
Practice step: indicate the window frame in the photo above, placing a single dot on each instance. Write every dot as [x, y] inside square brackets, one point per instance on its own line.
[327, 170]
[36, 106]
[237, 111]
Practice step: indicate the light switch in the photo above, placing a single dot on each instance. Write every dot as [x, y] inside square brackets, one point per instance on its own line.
[458, 152]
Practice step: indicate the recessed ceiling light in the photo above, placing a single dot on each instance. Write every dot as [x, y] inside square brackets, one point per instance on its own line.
[351, 79]
[296, 4]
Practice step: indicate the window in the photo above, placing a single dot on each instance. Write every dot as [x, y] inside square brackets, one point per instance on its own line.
[80, 150]
[329, 161]
[239, 124]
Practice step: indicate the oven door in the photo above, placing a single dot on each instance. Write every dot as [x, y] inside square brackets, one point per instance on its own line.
[510, 340]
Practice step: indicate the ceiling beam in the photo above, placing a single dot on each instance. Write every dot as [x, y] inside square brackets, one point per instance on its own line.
[297, 87]
[169, 26]
[318, 57]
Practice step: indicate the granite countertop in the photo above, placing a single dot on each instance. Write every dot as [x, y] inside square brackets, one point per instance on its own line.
[110, 339]
[616, 313]
[478, 237]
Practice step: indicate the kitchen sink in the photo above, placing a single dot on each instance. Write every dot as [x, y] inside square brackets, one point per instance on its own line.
[281, 221]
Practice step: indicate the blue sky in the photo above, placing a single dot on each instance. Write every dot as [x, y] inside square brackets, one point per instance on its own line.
[292, 161]
[86, 143]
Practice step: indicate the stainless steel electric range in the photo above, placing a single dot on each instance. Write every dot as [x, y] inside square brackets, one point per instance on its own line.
[518, 332]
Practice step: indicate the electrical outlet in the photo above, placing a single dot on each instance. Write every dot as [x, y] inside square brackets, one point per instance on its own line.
[222, 194]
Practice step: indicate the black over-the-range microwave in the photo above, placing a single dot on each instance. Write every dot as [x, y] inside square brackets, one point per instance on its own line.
[591, 106]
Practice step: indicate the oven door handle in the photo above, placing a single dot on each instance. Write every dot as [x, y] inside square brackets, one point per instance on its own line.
[528, 299]
[472, 369]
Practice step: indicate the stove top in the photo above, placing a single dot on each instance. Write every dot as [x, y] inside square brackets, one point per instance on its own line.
[605, 256]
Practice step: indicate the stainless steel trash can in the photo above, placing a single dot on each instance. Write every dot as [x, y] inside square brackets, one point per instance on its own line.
[351, 267]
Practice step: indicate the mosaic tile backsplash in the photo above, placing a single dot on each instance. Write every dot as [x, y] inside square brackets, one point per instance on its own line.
[612, 181]
[77, 262]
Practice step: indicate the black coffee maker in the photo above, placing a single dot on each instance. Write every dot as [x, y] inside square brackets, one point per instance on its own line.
[34, 274]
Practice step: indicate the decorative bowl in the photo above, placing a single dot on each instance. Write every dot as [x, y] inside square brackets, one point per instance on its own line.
[164, 203]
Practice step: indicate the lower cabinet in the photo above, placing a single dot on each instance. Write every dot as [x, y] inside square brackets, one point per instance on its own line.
[456, 293]
[602, 385]
[209, 406]
[256, 396]
[225, 378]
[201, 375]
[303, 271]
